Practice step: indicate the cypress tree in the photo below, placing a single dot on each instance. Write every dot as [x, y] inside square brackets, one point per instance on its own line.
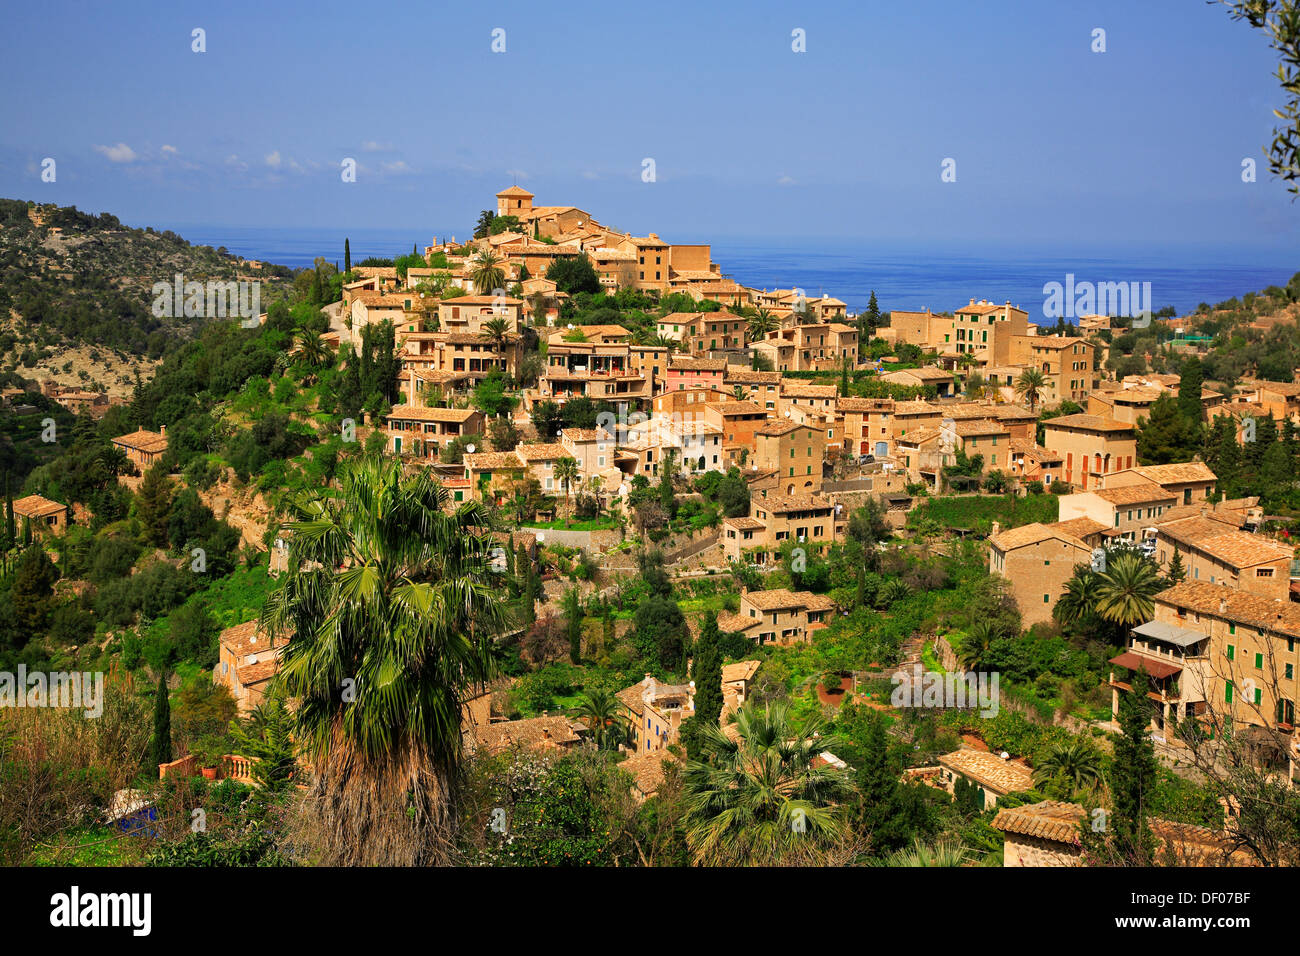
[573, 623]
[160, 747]
[1189, 396]
[347, 256]
[11, 531]
[707, 672]
[1133, 776]
[1177, 570]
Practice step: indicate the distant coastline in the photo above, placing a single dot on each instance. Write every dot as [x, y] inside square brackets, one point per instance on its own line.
[904, 275]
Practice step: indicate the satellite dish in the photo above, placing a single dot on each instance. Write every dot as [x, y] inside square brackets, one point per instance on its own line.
[470, 449]
[540, 537]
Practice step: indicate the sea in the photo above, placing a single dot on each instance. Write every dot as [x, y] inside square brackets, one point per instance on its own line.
[907, 274]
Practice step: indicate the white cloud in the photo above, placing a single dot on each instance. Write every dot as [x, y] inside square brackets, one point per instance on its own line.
[121, 153]
[785, 181]
[273, 160]
[169, 150]
[370, 146]
[398, 166]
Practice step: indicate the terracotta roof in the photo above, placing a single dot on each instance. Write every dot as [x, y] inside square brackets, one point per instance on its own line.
[1134, 494]
[516, 192]
[1094, 423]
[34, 506]
[744, 376]
[1051, 820]
[1230, 545]
[647, 769]
[784, 597]
[145, 441]
[853, 404]
[1079, 527]
[493, 461]
[989, 770]
[981, 426]
[1233, 605]
[744, 524]
[413, 413]
[1032, 534]
[741, 670]
[916, 408]
[246, 638]
[542, 452]
[534, 733]
[1176, 473]
[738, 408]
[783, 503]
[803, 390]
[698, 364]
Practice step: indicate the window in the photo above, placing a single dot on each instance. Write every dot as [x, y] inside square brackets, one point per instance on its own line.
[1046, 598]
[1259, 695]
[1232, 653]
[1259, 662]
[1263, 572]
[1227, 692]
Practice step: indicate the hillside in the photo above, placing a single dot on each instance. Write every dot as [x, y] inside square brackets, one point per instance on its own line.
[76, 294]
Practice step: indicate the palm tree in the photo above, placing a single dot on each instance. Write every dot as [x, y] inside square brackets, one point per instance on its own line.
[975, 646]
[762, 323]
[1079, 598]
[1074, 760]
[1125, 589]
[757, 797]
[496, 330]
[1030, 384]
[940, 853]
[312, 350]
[599, 710]
[664, 342]
[566, 473]
[392, 603]
[740, 393]
[487, 274]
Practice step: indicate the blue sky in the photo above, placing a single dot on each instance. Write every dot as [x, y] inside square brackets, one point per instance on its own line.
[1052, 142]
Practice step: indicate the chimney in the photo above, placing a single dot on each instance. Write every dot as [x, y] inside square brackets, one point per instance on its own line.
[993, 532]
[546, 713]
[162, 429]
[1223, 605]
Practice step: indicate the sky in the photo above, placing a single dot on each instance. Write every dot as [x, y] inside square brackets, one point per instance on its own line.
[1050, 140]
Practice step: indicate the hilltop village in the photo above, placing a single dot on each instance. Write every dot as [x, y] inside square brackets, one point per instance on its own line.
[716, 511]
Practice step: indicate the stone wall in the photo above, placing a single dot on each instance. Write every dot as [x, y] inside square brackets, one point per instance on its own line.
[1020, 850]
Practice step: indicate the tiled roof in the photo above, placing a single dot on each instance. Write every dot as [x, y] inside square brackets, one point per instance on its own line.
[982, 426]
[34, 506]
[1176, 473]
[738, 408]
[744, 376]
[1079, 527]
[744, 524]
[542, 452]
[647, 769]
[697, 364]
[144, 441]
[804, 390]
[1032, 534]
[492, 461]
[783, 503]
[536, 733]
[246, 638]
[784, 597]
[989, 770]
[413, 413]
[1233, 605]
[1051, 820]
[1134, 494]
[1232, 546]
[854, 404]
[741, 670]
[1093, 423]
